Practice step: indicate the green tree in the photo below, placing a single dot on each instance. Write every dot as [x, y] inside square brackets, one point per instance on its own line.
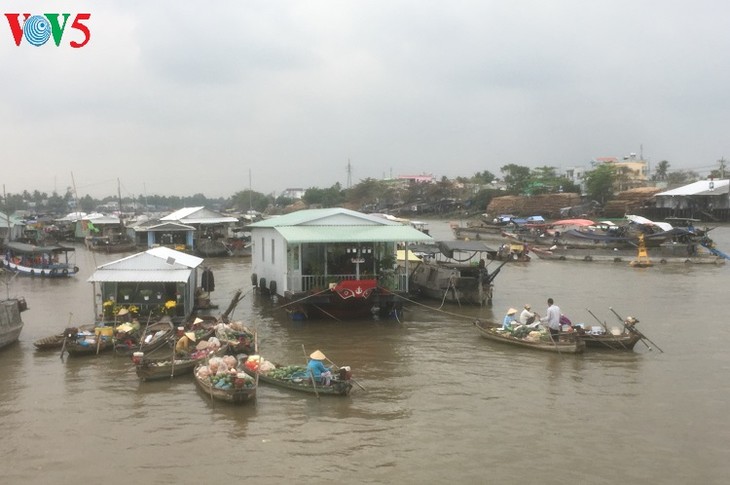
[332, 197]
[599, 183]
[680, 177]
[483, 178]
[661, 171]
[516, 177]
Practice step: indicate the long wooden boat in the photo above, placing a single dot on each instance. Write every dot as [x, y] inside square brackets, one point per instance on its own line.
[455, 272]
[55, 341]
[240, 340]
[80, 342]
[154, 336]
[163, 364]
[43, 261]
[565, 345]
[295, 378]
[624, 341]
[11, 324]
[656, 255]
[234, 387]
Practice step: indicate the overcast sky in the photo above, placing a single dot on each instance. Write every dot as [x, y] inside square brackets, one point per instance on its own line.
[177, 98]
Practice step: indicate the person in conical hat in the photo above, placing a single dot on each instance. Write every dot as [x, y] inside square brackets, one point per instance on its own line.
[183, 344]
[509, 319]
[317, 355]
[321, 374]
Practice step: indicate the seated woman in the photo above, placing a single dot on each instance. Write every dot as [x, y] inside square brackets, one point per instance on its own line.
[317, 369]
[509, 319]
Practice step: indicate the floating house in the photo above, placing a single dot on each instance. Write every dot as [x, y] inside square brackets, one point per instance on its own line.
[211, 229]
[332, 263]
[704, 199]
[159, 281]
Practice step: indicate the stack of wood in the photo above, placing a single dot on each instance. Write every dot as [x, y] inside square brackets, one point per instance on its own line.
[546, 205]
[629, 202]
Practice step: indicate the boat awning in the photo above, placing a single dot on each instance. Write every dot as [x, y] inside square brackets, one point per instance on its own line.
[448, 248]
[32, 249]
[351, 234]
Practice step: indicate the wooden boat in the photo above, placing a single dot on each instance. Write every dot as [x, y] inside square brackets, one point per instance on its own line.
[659, 256]
[235, 387]
[55, 341]
[455, 272]
[163, 363]
[240, 340]
[609, 341]
[296, 378]
[11, 324]
[44, 261]
[79, 342]
[152, 337]
[566, 344]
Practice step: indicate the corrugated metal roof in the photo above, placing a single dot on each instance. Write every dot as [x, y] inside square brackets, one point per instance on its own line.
[701, 187]
[324, 217]
[198, 215]
[351, 234]
[141, 276]
[156, 264]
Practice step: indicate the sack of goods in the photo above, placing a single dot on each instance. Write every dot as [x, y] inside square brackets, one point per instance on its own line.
[597, 331]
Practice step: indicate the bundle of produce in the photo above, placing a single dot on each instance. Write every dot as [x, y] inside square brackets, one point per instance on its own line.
[236, 335]
[257, 363]
[223, 373]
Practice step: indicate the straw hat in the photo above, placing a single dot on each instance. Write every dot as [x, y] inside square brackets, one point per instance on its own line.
[317, 355]
[511, 311]
[123, 311]
[198, 320]
[527, 306]
[190, 335]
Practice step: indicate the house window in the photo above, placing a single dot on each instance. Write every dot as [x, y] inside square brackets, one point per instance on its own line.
[273, 254]
[263, 250]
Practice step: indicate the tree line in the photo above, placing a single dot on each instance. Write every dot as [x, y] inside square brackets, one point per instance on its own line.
[473, 193]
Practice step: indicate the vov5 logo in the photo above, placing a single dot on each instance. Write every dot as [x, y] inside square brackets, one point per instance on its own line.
[37, 29]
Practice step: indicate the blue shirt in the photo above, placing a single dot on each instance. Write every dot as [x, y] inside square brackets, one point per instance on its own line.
[508, 320]
[316, 367]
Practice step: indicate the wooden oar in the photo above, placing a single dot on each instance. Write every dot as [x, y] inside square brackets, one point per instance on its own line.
[633, 329]
[615, 339]
[63, 347]
[311, 373]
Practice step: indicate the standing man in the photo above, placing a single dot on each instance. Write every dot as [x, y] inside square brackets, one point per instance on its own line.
[552, 319]
[207, 280]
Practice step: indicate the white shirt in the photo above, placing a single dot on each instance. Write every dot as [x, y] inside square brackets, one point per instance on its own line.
[553, 317]
[525, 315]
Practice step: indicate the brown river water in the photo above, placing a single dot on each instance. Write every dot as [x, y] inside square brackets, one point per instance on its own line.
[440, 403]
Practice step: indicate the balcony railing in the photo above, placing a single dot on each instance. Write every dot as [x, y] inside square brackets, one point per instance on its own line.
[392, 281]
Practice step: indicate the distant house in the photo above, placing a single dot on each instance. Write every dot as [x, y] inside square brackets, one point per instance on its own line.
[11, 228]
[633, 171]
[211, 228]
[705, 199]
[293, 193]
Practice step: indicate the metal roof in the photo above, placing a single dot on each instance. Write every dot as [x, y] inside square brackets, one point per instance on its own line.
[336, 216]
[159, 264]
[702, 187]
[198, 215]
[351, 234]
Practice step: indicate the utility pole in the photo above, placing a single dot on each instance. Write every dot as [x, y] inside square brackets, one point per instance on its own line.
[349, 174]
[722, 167]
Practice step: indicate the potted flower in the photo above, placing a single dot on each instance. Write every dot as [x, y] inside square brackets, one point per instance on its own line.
[126, 293]
[145, 294]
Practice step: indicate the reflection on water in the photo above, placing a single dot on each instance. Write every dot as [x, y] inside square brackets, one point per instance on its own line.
[441, 403]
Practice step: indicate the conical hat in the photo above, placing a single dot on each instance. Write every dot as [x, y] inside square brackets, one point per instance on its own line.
[198, 320]
[317, 355]
[190, 335]
[511, 311]
[122, 311]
